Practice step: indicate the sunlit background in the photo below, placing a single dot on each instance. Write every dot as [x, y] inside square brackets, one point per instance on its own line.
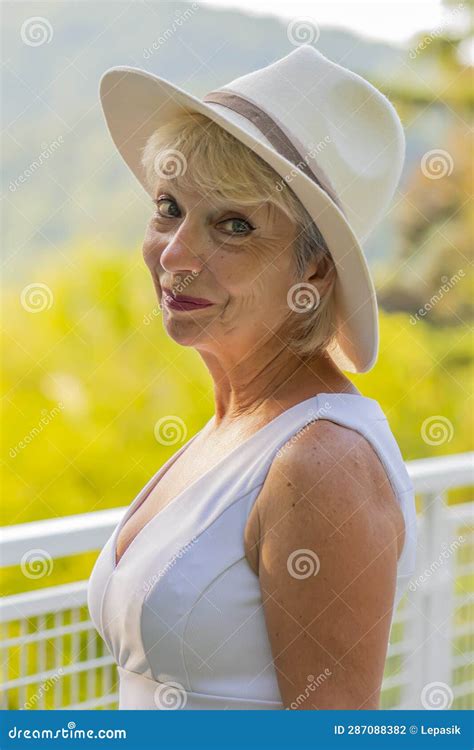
[87, 369]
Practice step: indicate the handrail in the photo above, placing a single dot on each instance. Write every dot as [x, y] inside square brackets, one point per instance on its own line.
[435, 474]
[61, 537]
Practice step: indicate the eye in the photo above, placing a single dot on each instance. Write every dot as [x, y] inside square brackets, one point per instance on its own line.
[167, 208]
[161, 203]
[239, 226]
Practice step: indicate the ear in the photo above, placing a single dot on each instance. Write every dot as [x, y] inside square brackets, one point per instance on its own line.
[319, 273]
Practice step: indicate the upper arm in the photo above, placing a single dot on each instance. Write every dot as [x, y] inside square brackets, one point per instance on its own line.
[328, 551]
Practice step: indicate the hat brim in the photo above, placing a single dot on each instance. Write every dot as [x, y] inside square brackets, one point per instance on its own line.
[135, 103]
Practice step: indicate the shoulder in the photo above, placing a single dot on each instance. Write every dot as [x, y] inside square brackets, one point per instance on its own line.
[326, 482]
[330, 472]
[327, 562]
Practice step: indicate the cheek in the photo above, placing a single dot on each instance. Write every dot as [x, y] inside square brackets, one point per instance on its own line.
[229, 270]
[242, 268]
[252, 281]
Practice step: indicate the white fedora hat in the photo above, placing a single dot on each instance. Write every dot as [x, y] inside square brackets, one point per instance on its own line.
[334, 138]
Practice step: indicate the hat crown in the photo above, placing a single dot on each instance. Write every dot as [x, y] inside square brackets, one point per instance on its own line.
[341, 125]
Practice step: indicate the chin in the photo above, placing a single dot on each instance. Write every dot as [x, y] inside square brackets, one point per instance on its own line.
[184, 334]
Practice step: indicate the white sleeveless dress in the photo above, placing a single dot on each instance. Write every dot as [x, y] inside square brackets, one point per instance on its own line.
[182, 612]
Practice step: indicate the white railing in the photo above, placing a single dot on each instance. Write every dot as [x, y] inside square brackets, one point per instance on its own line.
[53, 658]
[432, 638]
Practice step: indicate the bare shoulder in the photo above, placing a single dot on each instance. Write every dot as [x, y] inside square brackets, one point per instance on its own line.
[330, 472]
[330, 532]
[324, 452]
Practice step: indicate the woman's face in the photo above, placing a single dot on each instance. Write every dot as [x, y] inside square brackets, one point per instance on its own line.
[239, 259]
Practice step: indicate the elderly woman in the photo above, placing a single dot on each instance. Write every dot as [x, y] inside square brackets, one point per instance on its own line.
[260, 567]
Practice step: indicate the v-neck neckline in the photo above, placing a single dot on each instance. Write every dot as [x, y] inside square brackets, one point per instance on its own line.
[140, 499]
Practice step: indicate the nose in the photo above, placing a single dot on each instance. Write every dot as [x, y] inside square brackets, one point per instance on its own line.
[181, 254]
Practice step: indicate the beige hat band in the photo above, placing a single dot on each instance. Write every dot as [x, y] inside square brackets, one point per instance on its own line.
[273, 133]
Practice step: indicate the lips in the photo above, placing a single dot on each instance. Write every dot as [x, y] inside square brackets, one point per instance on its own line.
[184, 302]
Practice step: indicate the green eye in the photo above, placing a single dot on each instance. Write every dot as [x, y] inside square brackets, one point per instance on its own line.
[239, 226]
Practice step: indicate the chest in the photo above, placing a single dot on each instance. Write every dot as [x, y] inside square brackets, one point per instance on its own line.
[189, 467]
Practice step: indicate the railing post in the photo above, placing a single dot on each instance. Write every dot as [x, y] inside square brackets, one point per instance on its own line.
[417, 602]
[435, 600]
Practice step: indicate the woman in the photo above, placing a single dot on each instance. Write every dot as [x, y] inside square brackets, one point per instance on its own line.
[260, 567]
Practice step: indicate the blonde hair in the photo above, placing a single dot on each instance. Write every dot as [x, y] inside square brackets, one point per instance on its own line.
[195, 152]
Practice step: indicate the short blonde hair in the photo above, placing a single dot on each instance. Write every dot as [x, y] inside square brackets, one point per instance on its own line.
[196, 153]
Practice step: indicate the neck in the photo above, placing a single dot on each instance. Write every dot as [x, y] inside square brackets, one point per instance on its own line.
[267, 381]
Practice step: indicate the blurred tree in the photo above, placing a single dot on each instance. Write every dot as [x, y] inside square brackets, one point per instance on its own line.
[433, 270]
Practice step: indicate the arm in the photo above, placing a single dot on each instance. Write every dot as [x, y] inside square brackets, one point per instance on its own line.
[330, 533]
